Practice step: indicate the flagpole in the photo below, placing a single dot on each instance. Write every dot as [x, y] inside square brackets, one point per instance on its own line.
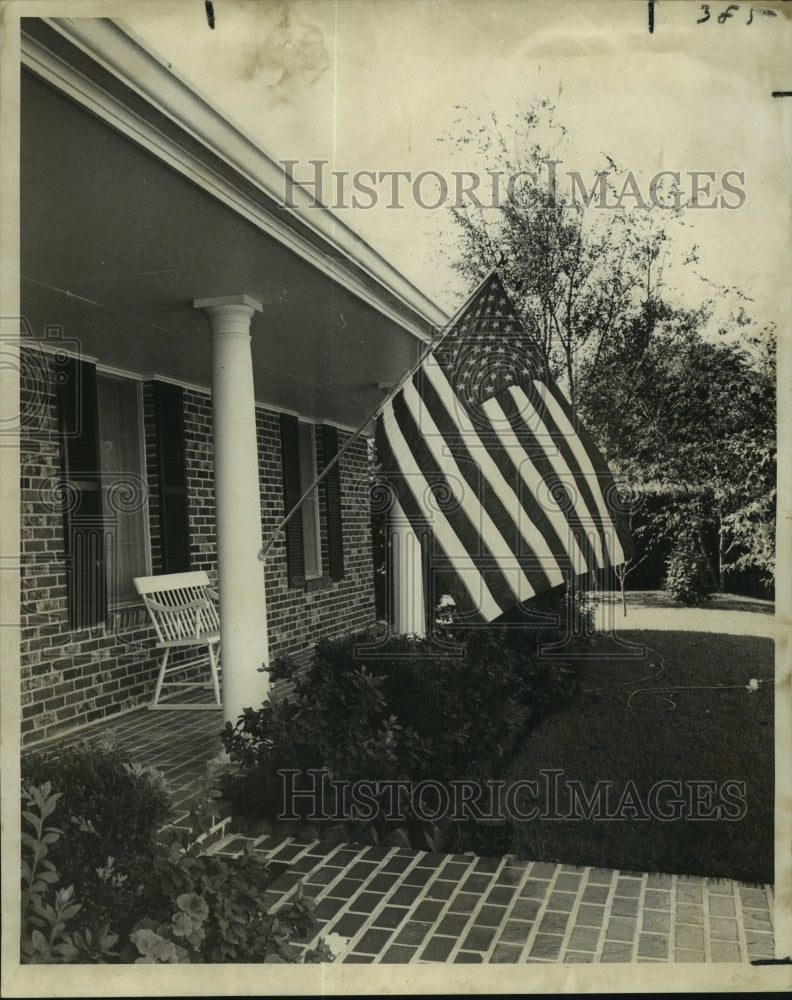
[431, 346]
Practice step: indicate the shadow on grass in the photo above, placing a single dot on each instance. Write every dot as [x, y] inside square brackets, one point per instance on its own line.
[681, 715]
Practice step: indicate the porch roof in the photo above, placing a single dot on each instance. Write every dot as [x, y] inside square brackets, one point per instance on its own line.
[137, 197]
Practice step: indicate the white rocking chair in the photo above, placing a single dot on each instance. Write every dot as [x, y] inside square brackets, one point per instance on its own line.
[183, 610]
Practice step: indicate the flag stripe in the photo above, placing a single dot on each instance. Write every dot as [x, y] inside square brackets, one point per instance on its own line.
[442, 567]
[531, 398]
[566, 423]
[588, 478]
[482, 511]
[410, 484]
[603, 473]
[573, 551]
[533, 539]
[547, 459]
[463, 512]
[566, 464]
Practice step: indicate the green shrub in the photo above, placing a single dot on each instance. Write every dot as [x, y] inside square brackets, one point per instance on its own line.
[336, 722]
[190, 907]
[209, 908]
[689, 579]
[47, 931]
[467, 692]
[112, 811]
[444, 708]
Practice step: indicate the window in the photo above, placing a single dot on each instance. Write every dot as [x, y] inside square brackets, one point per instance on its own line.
[123, 486]
[303, 533]
[105, 515]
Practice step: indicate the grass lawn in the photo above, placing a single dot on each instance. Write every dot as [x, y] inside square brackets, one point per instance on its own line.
[708, 728]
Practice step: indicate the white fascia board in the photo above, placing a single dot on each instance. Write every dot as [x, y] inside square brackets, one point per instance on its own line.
[118, 51]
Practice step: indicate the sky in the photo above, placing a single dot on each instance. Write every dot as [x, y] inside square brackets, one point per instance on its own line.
[373, 86]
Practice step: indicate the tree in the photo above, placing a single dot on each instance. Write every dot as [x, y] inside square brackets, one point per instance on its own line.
[694, 419]
[576, 270]
[683, 407]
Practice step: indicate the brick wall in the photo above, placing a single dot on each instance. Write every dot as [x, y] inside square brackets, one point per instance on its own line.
[199, 459]
[72, 678]
[297, 616]
[68, 678]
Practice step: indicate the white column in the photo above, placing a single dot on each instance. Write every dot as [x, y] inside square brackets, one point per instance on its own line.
[406, 575]
[243, 613]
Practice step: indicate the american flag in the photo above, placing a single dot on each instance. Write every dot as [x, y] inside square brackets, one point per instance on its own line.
[492, 468]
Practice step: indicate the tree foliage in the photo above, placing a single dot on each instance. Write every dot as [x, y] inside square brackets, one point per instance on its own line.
[677, 399]
[697, 416]
[575, 270]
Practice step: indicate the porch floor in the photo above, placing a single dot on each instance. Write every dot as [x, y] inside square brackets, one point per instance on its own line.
[406, 906]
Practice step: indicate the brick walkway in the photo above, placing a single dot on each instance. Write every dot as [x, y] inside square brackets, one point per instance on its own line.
[405, 906]
[398, 905]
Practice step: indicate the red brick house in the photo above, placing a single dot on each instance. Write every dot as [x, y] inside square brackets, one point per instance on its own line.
[191, 352]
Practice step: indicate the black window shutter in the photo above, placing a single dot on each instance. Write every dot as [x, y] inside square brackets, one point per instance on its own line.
[172, 477]
[290, 458]
[86, 585]
[332, 498]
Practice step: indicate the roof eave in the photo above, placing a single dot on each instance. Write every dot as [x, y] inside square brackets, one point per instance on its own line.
[129, 86]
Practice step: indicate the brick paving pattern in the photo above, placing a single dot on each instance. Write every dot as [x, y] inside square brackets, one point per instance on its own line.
[400, 905]
[178, 744]
[395, 905]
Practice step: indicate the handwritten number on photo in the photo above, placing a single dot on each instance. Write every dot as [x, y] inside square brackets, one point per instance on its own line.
[730, 11]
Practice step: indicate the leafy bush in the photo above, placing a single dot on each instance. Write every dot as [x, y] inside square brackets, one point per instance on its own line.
[47, 912]
[444, 708]
[185, 907]
[466, 705]
[689, 579]
[212, 909]
[336, 722]
[112, 812]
